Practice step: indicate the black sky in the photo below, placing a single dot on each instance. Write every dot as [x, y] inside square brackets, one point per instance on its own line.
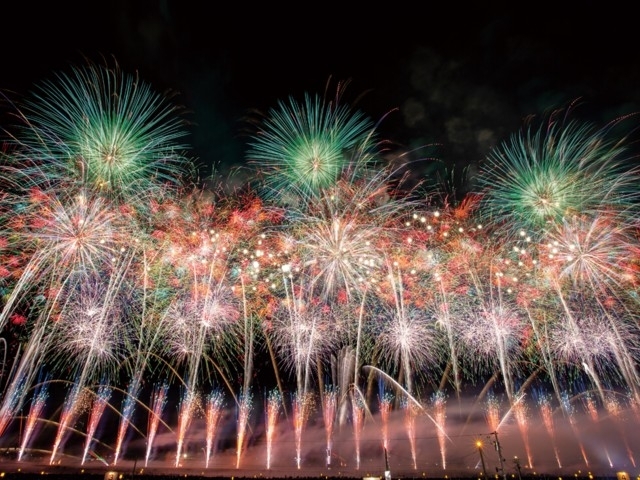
[460, 75]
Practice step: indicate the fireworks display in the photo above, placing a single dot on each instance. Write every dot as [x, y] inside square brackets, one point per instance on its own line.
[142, 293]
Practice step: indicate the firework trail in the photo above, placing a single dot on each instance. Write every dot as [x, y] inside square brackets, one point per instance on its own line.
[410, 414]
[413, 400]
[204, 312]
[304, 333]
[358, 410]
[570, 411]
[213, 413]
[90, 334]
[98, 405]
[521, 413]
[492, 412]
[578, 340]
[634, 404]
[329, 409]
[158, 402]
[438, 403]
[71, 237]
[407, 340]
[538, 326]
[493, 330]
[546, 412]
[591, 408]
[613, 407]
[11, 402]
[245, 408]
[70, 410]
[37, 405]
[446, 318]
[126, 413]
[187, 408]
[345, 364]
[149, 325]
[385, 401]
[588, 258]
[302, 404]
[274, 404]
[66, 233]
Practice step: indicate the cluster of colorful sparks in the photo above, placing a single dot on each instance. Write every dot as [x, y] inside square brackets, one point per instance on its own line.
[328, 272]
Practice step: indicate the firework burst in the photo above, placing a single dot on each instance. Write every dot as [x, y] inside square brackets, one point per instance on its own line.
[112, 267]
[303, 148]
[105, 130]
[563, 167]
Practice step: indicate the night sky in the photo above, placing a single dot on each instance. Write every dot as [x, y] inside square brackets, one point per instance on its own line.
[447, 80]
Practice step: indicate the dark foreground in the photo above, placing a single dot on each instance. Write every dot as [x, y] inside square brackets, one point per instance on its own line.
[68, 474]
[12, 470]
[130, 476]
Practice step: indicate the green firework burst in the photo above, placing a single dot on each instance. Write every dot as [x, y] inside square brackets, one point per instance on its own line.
[302, 149]
[105, 130]
[564, 167]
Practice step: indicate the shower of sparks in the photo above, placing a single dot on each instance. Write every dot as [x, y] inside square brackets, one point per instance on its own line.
[95, 414]
[37, 405]
[213, 413]
[492, 412]
[273, 407]
[187, 409]
[245, 408]
[520, 411]
[329, 409]
[439, 405]
[357, 411]
[11, 403]
[126, 412]
[302, 404]
[70, 410]
[570, 411]
[410, 415]
[614, 408]
[385, 409]
[158, 402]
[546, 412]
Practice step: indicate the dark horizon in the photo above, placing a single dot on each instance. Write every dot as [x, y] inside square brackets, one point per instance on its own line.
[135, 472]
